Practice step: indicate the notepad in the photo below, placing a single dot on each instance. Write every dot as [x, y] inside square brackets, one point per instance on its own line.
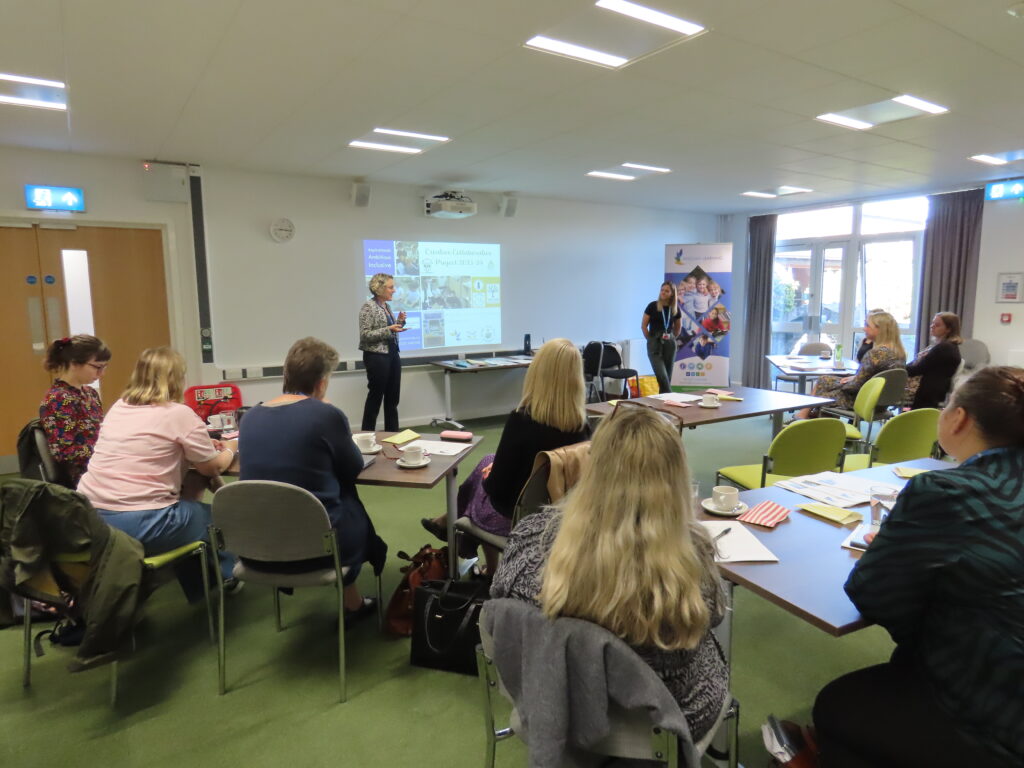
[739, 545]
[402, 437]
[835, 514]
[908, 472]
[719, 392]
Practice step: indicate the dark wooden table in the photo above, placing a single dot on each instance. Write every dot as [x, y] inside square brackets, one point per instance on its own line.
[756, 402]
[813, 566]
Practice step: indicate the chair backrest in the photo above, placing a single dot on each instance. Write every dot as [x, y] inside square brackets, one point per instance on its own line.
[807, 446]
[911, 435]
[895, 387]
[600, 356]
[867, 398]
[271, 521]
[814, 348]
[535, 492]
[975, 354]
[612, 356]
[35, 462]
[554, 473]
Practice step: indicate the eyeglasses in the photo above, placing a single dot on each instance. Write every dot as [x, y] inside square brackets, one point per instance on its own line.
[625, 405]
[97, 367]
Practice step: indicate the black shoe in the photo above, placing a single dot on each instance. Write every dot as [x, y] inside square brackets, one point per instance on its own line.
[368, 608]
[438, 531]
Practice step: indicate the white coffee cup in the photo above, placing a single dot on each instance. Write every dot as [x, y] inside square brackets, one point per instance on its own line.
[366, 441]
[216, 421]
[725, 498]
[413, 454]
[710, 400]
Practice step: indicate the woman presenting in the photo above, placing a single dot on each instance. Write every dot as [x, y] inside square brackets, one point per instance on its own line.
[660, 326]
[944, 577]
[378, 338]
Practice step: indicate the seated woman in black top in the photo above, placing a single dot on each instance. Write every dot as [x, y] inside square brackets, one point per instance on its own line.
[298, 438]
[931, 373]
[551, 415]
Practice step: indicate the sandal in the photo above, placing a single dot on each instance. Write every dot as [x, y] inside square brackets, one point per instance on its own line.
[432, 527]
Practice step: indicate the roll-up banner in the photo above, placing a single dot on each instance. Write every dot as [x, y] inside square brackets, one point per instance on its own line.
[702, 275]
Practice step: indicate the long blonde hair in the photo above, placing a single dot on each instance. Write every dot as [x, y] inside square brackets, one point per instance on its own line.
[159, 377]
[629, 554]
[553, 393]
[888, 332]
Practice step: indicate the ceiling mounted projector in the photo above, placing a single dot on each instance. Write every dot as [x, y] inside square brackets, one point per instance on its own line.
[449, 205]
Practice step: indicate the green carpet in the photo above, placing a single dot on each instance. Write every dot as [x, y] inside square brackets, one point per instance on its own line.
[281, 707]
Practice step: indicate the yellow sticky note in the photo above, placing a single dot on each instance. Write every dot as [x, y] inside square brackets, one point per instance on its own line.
[731, 397]
[908, 472]
[613, 403]
[405, 436]
[835, 514]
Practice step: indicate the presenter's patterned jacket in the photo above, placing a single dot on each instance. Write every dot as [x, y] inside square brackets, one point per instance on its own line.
[945, 577]
[374, 335]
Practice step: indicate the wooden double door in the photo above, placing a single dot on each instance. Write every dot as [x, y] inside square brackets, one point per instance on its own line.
[51, 280]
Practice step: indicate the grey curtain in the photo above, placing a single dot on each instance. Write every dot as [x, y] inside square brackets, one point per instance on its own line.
[760, 254]
[949, 272]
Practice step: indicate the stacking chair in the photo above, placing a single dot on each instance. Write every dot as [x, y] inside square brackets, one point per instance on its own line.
[632, 737]
[892, 394]
[35, 462]
[77, 567]
[804, 447]
[603, 360]
[810, 348]
[911, 435]
[264, 521]
[864, 409]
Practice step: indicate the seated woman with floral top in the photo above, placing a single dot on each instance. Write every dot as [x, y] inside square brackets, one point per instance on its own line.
[71, 412]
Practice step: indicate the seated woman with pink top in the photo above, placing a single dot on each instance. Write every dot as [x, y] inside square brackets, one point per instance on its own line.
[147, 440]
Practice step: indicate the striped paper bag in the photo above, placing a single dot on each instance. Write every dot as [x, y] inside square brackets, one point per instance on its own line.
[767, 513]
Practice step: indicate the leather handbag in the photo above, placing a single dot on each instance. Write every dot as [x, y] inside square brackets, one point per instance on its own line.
[446, 627]
[427, 564]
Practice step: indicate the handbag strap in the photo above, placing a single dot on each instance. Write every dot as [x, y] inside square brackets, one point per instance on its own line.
[467, 616]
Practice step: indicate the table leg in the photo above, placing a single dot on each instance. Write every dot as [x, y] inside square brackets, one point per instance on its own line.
[451, 495]
[802, 384]
[776, 423]
[448, 417]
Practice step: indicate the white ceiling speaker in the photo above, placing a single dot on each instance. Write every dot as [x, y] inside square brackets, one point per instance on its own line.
[361, 193]
[508, 205]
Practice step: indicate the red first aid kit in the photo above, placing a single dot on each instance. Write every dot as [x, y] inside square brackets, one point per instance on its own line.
[208, 399]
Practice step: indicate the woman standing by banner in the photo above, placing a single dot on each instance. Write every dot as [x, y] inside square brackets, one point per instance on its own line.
[660, 326]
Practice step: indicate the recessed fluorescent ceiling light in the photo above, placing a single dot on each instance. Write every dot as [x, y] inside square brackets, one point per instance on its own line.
[410, 134]
[31, 81]
[758, 194]
[915, 103]
[652, 168]
[20, 102]
[574, 51]
[786, 189]
[384, 147]
[846, 122]
[988, 159]
[607, 175]
[651, 16]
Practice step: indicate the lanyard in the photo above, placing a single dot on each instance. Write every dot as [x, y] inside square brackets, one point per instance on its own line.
[666, 314]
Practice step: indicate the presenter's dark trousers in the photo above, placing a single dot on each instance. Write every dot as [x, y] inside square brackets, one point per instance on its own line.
[662, 354]
[384, 382]
[885, 717]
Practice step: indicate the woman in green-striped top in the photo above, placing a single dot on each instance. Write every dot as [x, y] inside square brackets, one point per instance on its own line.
[945, 577]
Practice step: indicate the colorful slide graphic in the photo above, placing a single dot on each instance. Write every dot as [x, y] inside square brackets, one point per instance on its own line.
[702, 275]
[450, 292]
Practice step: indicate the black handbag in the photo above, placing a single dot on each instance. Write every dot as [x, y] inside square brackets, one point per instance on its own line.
[446, 630]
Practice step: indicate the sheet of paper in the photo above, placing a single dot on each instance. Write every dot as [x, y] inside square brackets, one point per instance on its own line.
[839, 490]
[441, 447]
[521, 358]
[738, 545]
[402, 437]
[855, 540]
[720, 392]
[835, 514]
[908, 472]
[676, 397]
[676, 404]
[497, 361]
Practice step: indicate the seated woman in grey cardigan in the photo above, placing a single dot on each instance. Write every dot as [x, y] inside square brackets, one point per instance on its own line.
[624, 550]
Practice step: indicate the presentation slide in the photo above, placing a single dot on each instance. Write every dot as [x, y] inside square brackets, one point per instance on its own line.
[450, 292]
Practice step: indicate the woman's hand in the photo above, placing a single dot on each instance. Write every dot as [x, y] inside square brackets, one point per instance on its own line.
[846, 380]
[401, 318]
[396, 328]
[486, 471]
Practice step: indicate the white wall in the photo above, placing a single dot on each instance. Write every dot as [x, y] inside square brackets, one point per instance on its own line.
[580, 270]
[1002, 250]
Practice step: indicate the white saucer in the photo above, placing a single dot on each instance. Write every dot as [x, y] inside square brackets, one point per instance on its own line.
[709, 406]
[708, 506]
[372, 450]
[406, 465]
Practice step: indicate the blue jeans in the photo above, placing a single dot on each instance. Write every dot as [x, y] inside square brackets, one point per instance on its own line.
[161, 530]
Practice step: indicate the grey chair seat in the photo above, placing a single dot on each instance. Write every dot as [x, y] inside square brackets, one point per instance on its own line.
[466, 526]
[318, 577]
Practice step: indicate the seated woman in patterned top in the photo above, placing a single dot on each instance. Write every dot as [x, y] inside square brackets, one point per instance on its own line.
[624, 551]
[71, 412]
[945, 577]
[886, 352]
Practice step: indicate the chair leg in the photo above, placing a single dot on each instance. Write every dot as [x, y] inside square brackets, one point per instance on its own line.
[204, 566]
[113, 684]
[26, 679]
[380, 605]
[277, 608]
[222, 651]
[341, 639]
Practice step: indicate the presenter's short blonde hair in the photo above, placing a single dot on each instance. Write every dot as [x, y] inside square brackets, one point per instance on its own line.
[378, 281]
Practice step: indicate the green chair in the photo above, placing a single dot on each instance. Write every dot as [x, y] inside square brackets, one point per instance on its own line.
[864, 409]
[892, 394]
[910, 435]
[803, 448]
[79, 562]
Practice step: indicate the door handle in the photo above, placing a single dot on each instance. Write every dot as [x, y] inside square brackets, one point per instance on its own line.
[36, 327]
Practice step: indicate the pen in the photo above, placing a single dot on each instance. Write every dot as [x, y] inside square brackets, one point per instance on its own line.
[721, 534]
